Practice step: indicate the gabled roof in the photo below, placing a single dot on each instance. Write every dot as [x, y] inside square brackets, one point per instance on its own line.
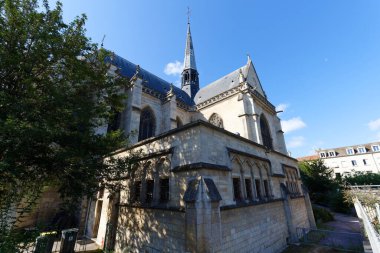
[151, 81]
[230, 81]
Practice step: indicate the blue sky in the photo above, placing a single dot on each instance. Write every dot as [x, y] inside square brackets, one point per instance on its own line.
[318, 60]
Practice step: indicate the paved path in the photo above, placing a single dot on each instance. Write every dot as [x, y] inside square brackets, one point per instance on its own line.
[344, 223]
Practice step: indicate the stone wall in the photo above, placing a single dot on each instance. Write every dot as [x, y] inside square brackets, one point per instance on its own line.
[150, 230]
[258, 228]
[299, 212]
[44, 211]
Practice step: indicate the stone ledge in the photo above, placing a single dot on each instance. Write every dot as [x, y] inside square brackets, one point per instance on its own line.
[158, 207]
[200, 165]
[243, 204]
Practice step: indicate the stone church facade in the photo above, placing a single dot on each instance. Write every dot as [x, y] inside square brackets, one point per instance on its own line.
[214, 175]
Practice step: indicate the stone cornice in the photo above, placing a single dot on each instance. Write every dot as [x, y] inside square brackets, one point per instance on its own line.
[195, 166]
[164, 98]
[218, 98]
[262, 101]
[242, 88]
[197, 124]
[235, 151]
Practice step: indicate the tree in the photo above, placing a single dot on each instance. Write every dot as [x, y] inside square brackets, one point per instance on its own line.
[361, 178]
[56, 91]
[324, 189]
[318, 179]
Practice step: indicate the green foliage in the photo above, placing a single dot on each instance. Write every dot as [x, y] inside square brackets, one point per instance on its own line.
[362, 178]
[322, 214]
[55, 93]
[338, 203]
[318, 179]
[323, 189]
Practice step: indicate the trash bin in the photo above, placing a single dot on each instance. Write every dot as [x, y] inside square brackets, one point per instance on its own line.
[45, 242]
[68, 239]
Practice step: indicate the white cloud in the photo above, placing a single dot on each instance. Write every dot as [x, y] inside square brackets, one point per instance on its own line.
[374, 124]
[282, 107]
[174, 68]
[297, 141]
[292, 124]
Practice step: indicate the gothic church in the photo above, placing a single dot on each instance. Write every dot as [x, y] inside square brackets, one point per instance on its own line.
[215, 175]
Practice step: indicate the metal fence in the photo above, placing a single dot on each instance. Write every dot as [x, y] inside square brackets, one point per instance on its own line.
[372, 233]
[352, 242]
[67, 242]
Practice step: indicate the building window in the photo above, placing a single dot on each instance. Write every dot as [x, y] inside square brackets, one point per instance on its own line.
[266, 188]
[362, 150]
[136, 191]
[350, 151]
[149, 191]
[375, 148]
[353, 162]
[147, 124]
[164, 189]
[248, 188]
[216, 120]
[365, 162]
[338, 175]
[179, 122]
[114, 121]
[331, 153]
[265, 132]
[322, 154]
[237, 189]
[258, 188]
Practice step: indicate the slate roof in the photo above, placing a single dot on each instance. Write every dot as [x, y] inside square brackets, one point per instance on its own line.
[219, 86]
[151, 81]
[189, 61]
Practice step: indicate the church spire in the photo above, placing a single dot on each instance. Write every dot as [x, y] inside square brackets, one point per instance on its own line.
[190, 81]
[189, 62]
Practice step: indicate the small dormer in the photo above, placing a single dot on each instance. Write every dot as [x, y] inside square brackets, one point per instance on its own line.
[375, 148]
[331, 153]
[350, 151]
[362, 150]
[322, 154]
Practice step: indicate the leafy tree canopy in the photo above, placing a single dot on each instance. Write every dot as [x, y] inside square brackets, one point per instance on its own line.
[56, 92]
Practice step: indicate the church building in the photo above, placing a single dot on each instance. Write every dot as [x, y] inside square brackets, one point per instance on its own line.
[214, 175]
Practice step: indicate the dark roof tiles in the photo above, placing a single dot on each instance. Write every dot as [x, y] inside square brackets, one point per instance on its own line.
[151, 81]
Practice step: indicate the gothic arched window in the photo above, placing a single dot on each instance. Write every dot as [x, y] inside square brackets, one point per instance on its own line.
[265, 133]
[147, 124]
[216, 120]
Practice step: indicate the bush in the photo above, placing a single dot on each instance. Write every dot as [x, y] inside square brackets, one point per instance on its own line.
[338, 202]
[322, 215]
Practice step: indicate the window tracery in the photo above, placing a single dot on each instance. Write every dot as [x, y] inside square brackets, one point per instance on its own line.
[265, 132]
[147, 124]
[216, 120]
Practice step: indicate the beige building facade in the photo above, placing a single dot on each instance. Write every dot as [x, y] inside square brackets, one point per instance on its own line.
[364, 158]
[214, 175]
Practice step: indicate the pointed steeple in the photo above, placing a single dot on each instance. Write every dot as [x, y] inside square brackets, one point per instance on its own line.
[189, 62]
[190, 81]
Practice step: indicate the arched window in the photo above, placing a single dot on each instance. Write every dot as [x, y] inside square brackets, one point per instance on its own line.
[216, 120]
[147, 124]
[265, 133]
[179, 122]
